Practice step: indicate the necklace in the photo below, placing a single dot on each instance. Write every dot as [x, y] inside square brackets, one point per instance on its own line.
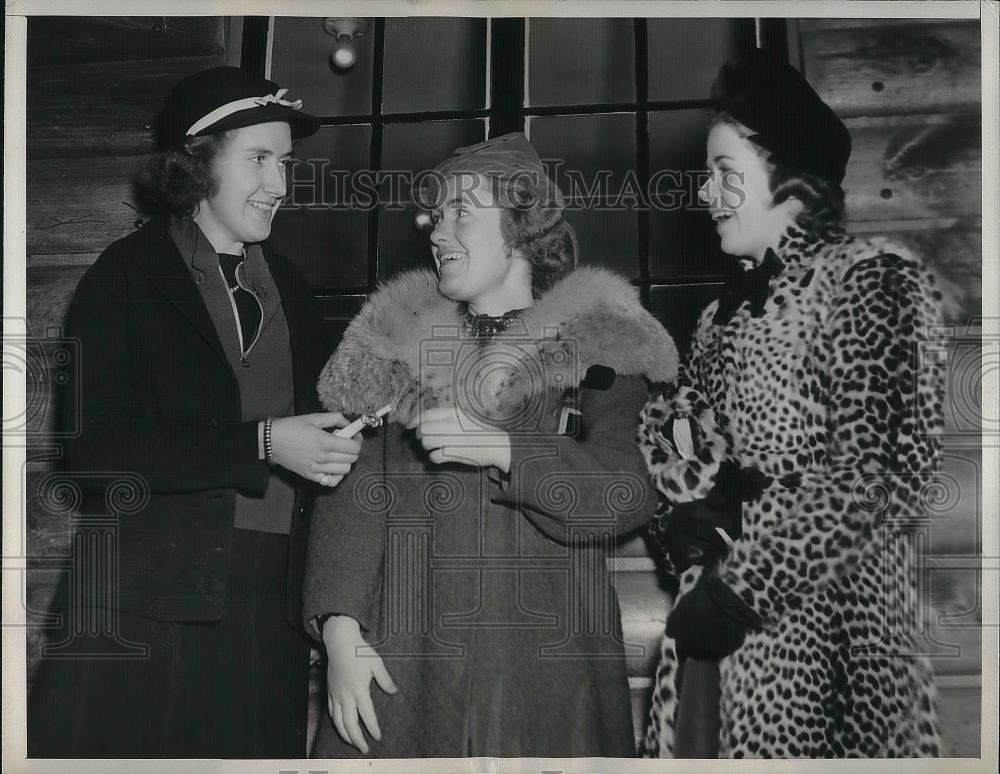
[248, 314]
[485, 326]
[235, 285]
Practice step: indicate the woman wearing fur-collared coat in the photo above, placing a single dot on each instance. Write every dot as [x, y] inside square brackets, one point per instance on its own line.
[808, 396]
[468, 546]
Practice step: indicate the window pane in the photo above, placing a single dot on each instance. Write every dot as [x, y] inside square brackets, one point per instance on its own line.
[323, 225]
[300, 62]
[400, 245]
[408, 149]
[608, 238]
[682, 238]
[329, 247]
[580, 61]
[420, 146]
[597, 153]
[434, 64]
[325, 162]
[337, 313]
[592, 159]
[685, 54]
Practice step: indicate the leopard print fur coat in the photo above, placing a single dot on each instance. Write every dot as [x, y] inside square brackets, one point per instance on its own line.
[831, 382]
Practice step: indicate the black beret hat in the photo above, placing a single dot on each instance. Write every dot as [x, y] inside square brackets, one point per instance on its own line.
[224, 98]
[787, 116]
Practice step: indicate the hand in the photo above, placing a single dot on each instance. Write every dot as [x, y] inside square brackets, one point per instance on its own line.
[351, 665]
[737, 484]
[710, 621]
[301, 445]
[451, 435]
[689, 533]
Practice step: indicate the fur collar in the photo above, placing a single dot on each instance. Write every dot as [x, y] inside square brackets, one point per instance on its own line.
[408, 347]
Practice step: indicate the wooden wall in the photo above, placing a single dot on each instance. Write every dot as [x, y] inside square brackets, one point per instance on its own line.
[909, 91]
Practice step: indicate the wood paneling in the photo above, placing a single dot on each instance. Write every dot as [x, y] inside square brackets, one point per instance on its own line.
[49, 290]
[79, 205]
[100, 108]
[59, 260]
[48, 294]
[644, 607]
[88, 39]
[892, 67]
[958, 706]
[905, 167]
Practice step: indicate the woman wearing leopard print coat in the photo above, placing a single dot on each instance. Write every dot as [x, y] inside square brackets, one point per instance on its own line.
[805, 397]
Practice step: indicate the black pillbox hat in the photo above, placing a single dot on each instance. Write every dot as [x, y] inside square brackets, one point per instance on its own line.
[224, 98]
[785, 113]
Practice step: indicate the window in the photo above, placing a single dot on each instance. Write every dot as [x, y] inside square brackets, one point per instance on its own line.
[618, 107]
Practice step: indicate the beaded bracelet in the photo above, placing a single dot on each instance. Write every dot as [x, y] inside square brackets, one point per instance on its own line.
[268, 450]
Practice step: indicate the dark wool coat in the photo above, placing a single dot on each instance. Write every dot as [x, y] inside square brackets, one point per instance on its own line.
[159, 399]
[487, 595]
[835, 382]
[160, 409]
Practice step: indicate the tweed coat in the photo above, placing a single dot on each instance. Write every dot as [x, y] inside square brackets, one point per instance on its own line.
[487, 595]
[833, 391]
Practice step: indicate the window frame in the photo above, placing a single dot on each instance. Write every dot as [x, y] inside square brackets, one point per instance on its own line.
[505, 111]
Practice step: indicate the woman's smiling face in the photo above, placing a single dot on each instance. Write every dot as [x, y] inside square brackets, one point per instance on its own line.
[473, 262]
[739, 195]
[251, 173]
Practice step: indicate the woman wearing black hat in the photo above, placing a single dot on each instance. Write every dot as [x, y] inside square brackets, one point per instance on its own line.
[461, 566]
[198, 348]
[791, 456]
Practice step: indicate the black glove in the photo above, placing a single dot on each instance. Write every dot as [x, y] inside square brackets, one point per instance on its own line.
[710, 621]
[688, 534]
[734, 484]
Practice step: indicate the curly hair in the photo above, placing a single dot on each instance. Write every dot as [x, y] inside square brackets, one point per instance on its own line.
[822, 200]
[176, 181]
[532, 222]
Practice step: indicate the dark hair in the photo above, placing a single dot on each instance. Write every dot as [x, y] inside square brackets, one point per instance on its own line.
[533, 223]
[822, 200]
[176, 181]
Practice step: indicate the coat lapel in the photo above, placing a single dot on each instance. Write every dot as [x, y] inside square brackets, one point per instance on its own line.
[305, 335]
[166, 270]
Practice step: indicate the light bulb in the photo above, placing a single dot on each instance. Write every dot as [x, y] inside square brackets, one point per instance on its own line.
[344, 55]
